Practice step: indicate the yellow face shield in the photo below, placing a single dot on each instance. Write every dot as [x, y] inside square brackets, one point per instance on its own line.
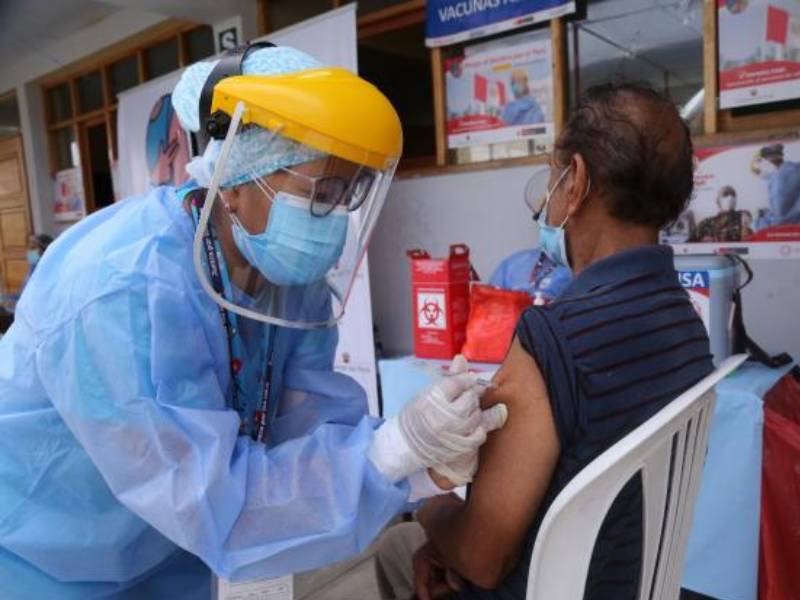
[319, 149]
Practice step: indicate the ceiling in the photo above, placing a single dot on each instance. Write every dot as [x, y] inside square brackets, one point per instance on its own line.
[31, 26]
[28, 25]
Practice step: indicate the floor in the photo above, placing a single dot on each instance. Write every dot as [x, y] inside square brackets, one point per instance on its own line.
[353, 579]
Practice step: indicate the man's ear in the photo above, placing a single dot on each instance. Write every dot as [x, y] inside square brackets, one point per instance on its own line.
[230, 197]
[579, 185]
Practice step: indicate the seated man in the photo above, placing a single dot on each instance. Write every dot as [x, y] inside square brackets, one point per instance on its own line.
[620, 343]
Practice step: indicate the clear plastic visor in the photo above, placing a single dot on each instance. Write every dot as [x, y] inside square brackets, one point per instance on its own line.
[283, 228]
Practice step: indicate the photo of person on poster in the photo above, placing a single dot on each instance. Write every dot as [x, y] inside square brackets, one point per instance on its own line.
[747, 194]
[523, 109]
[783, 186]
[729, 225]
[167, 145]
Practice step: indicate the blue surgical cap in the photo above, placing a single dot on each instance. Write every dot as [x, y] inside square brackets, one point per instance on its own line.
[256, 152]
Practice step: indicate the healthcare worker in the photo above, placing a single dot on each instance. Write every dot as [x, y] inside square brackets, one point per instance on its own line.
[167, 398]
[531, 270]
[523, 109]
[783, 186]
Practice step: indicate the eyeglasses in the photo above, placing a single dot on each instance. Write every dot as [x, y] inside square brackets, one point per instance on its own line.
[330, 191]
[536, 191]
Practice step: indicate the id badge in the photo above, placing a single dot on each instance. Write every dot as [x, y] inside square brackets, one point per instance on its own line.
[277, 588]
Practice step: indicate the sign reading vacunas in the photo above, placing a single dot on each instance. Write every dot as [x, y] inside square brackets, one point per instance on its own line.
[453, 21]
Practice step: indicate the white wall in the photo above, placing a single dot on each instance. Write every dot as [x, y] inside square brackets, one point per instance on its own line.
[50, 57]
[485, 210]
[34, 139]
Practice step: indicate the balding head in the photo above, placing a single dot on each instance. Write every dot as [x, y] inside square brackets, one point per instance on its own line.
[637, 149]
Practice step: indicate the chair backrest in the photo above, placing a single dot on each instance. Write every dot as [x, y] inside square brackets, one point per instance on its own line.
[669, 450]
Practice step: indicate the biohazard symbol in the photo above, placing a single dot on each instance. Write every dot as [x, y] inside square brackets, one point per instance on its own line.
[431, 312]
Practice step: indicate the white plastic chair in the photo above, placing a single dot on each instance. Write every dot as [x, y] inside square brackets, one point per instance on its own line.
[669, 450]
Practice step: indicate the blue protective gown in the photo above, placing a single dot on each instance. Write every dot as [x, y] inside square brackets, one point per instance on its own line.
[122, 474]
[522, 111]
[784, 196]
[518, 272]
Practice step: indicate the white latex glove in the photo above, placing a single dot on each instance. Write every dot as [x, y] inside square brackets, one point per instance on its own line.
[462, 470]
[440, 425]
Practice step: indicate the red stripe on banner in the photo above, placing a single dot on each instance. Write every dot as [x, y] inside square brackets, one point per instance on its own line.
[759, 74]
[777, 25]
[777, 233]
[704, 153]
[473, 123]
[481, 88]
[501, 93]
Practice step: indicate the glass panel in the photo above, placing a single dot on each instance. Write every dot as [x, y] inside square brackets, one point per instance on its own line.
[199, 43]
[9, 116]
[618, 43]
[99, 167]
[161, 59]
[63, 139]
[90, 92]
[60, 103]
[399, 64]
[123, 75]
[282, 13]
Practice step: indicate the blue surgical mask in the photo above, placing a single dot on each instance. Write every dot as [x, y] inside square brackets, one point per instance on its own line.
[33, 257]
[553, 240]
[296, 248]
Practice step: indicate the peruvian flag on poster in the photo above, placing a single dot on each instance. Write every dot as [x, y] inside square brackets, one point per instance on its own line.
[759, 51]
[777, 25]
[481, 88]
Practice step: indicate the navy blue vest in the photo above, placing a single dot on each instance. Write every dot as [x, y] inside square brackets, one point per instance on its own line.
[621, 342]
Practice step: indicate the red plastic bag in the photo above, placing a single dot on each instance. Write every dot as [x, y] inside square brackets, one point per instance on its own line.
[493, 314]
[779, 556]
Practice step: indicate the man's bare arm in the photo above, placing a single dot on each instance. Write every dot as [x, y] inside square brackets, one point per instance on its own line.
[482, 538]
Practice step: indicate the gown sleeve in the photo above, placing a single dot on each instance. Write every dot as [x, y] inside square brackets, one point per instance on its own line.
[135, 380]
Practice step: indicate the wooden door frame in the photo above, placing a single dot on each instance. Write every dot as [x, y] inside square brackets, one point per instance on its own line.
[86, 160]
[14, 146]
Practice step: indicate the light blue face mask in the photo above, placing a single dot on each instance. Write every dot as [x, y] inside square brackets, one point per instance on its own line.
[33, 257]
[553, 240]
[296, 248]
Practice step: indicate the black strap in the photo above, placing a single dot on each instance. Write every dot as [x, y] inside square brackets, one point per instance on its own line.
[229, 65]
[742, 342]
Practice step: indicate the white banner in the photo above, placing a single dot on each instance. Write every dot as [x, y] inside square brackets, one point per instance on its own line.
[501, 91]
[746, 201]
[152, 152]
[153, 148]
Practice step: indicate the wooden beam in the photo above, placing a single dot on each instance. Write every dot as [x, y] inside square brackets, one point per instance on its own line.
[758, 122]
[576, 67]
[710, 56]
[141, 67]
[439, 106]
[108, 97]
[392, 18]
[391, 12]
[487, 165]
[735, 138]
[262, 17]
[182, 58]
[560, 73]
